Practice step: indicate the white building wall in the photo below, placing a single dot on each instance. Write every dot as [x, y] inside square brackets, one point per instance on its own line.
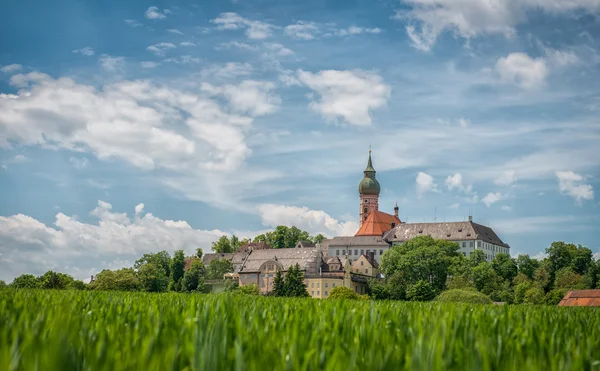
[354, 252]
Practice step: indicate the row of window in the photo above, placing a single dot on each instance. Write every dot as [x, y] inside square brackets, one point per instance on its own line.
[312, 285]
[487, 256]
[362, 252]
[319, 293]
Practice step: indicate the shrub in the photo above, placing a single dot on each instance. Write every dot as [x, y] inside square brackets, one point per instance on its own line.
[554, 297]
[420, 291]
[341, 292]
[249, 290]
[463, 296]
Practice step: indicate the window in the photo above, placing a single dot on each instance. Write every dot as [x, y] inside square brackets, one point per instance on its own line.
[333, 285]
[312, 285]
[262, 275]
[478, 243]
[312, 293]
[355, 252]
[326, 284]
[367, 271]
[271, 275]
[362, 263]
[326, 293]
[362, 252]
[337, 252]
[471, 244]
[318, 284]
[318, 292]
[380, 252]
[464, 253]
[366, 201]
[464, 244]
[368, 252]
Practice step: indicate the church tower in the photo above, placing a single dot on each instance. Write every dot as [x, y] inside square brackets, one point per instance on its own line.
[369, 189]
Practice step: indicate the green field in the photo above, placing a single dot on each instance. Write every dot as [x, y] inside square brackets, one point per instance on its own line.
[73, 330]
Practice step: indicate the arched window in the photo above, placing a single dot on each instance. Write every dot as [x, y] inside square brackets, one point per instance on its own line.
[365, 210]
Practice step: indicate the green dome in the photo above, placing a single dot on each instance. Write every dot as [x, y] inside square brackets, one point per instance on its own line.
[369, 186]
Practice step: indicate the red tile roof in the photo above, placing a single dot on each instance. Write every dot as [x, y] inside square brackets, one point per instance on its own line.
[377, 223]
[581, 298]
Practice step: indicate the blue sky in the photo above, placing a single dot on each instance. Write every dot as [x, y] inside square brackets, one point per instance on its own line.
[129, 127]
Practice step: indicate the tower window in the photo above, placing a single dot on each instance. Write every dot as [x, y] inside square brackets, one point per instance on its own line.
[365, 210]
[366, 201]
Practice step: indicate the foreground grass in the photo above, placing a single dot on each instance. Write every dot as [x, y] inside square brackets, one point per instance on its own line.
[70, 330]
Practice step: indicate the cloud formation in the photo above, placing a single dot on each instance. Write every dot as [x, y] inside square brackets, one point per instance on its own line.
[154, 12]
[87, 51]
[570, 183]
[253, 29]
[521, 70]
[350, 95]
[425, 183]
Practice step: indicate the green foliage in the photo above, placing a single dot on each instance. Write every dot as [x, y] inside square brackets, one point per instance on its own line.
[177, 270]
[397, 285]
[463, 296]
[153, 278]
[486, 279]
[293, 285]
[25, 281]
[77, 285]
[3, 285]
[420, 291]
[160, 259]
[555, 296]
[504, 266]
[54, 280]
[379, 291]
[460, 282]
[520, 278]
[422, 258]
[520, 291]
[342, 292]
[279, 284]
[199, 253]
[477, 257]
[542, 278]
[222, 245]
[217, 268]
[534, 295]
[318, 238]
[125, 279]
[527, 265]
[249, 290]
[193, 278]
[286, 237]
[567, 279]
[90, 330]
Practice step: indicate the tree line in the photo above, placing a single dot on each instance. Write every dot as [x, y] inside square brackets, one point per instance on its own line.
[280, 238]
[422, 268]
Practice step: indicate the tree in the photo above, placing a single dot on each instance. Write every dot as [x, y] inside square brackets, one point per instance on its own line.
[279, 284]
[153, 278]
[527, 265]
[520, 291]
[560, 255]
[199, 253]
[477, 257]
[504, 266]
[235, 243]
[554, 297]
[420, 291]
[463, 296]
[217, 269]
[567, 279]
[379, 291]
[54, 280]
[486, 279]
[193, 278]
[251, 289]
[25, 281]
[542, 278]
[318, 238]
[77, 285]
[177, 269]
[222, 245]
[125, 279]
[160, 259]
[294, 285]
[582, 260]
[3, 285]
[534, 295]
[520, 278]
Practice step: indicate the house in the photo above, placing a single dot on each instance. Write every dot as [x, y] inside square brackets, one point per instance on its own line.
[581, 298]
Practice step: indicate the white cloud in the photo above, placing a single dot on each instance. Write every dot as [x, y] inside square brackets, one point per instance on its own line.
[29, 246]
[133, 23]
[312, 221]
[226, 71]
[146, 125]
[20, 158]
[253, 29]
[507, 178]
[187, 43]
[175, 31]
[250, 97]
[354, 30]
[425, 184]
[279, 50]
[521, 70]
[464, 122]
[87, 51]
[570, 183]
[236, 44]
[561, 58]
[492, 198]
[112, 64]
[139, 208]
[154, 12]
[160, 49]
[456, 182]
[350, 95]
[427, 19]
[303, 30]
[11, 68]
[79, 163]
[149, 64]
[184, 59]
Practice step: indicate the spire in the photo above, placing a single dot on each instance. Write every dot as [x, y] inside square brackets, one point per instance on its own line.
[369, 163]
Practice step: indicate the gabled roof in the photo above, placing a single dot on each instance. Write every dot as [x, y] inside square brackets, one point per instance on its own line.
[207, 258]
[377, 223]
[452, 231]
[351, 241]
[255, 246]
[304, 244]
[581, 298]
[308, 258]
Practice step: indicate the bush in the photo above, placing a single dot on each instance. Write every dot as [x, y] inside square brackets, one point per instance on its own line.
[341, 292]
[554, 297]
[249, 290]
[463, 296]
[420, 291]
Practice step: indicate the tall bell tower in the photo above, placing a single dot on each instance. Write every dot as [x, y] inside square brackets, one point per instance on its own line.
[369, 189]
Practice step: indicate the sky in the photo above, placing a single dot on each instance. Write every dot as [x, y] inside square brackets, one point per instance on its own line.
[134, 127]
